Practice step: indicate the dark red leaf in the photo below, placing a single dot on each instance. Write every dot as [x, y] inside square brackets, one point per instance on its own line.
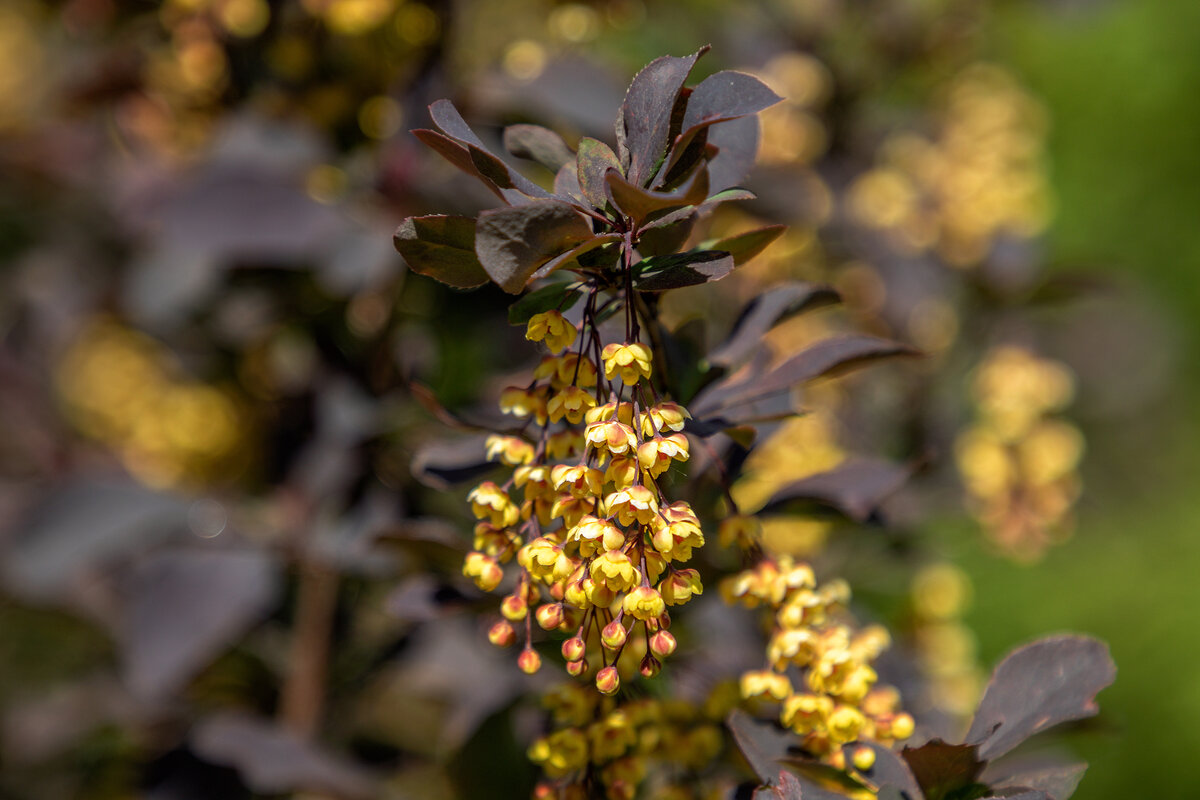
[761, 315]
[573, 255]
[539, 144]
[941, 769]
[745, 246]
[566, 183]
[833, 355]
[441, 247]
[594, 160]
[272, 760]
[724, 96]
[513, 186]
[1055, 779]
[662, 240]
[737, 148]
[787, 787]
[855, 487]
[762, 743]
[638, 203]
[644, 121]
[504, 176]
[513, 242]
[1038, 686]
[458, 155]
[661, 273]
[889, 769]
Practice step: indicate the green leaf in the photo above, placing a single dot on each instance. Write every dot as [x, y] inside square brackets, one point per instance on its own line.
[638, 203]
[594, 160]
[555, 297]
[539, 144]
[746, 246]
[683, 269]
[441, 247]
[512, 243]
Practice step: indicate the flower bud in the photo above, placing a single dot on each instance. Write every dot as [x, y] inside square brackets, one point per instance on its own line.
[863, 758]
[574, 648]
[577, 668]
[514, 608]
[650, 666]
[549, 616]
[662, 644]
[607, 680]
[529, 661]
[902, 726]
[502, 634]
[613, 635]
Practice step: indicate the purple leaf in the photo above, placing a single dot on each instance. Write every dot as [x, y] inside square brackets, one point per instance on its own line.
[761, 314]
[1038, 686]
[941, 769]
[513, 242]
[638, 203]
[787, 787]
[855, 487]
[504, 176]
[737, 148]
[762, 743]
[644, 121]
[539, 144]
[572, 255]
[595, 158]
[272, 760]
[1055, 779]
[723, 96]
[512, 185]
[185, 607]
[836, 354]
[889, 769]
[459, 156]
[566, 183]
[441, 247]
[745, 246]
[683, 269]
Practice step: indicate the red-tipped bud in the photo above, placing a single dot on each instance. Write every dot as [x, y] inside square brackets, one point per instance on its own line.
[550, 616]
[529, 661]
[613, 635]
[514, 608]
[556, 592]
[664, 619]
[650, 666]
[607, 680]
[502, 634]
[864, 758]
[662, 644]
[577, 668]
[573, 649]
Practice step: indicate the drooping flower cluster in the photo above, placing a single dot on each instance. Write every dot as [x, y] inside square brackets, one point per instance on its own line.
[595, 541]
[1018, 462]
[614, 743]
[819, 669]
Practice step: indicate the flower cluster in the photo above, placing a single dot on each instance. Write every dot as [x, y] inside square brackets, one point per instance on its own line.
[613, 744]
[945, 646]
[596, 543]
[1020, 464]
[818, 667]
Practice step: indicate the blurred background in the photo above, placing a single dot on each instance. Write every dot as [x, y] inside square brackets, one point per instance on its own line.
[229, 536]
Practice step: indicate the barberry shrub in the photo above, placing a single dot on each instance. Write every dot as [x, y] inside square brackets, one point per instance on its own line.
[625, 443]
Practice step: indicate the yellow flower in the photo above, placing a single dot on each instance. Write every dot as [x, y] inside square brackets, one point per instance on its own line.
[553, 328]
[644, 603]
[765, 683]
[488, 501]
[622, 472]
[668, 416]
[630, 361]
[564, 443]
[510, 450]
[745, 531]
[572, 403]
[615, 572]
[593, 533]
[545, 560]
[560, 753]
[612, 736]
[845, 723]
[805, 713]
[656, 455]
[635, 504]
[522, 403]
[611, 437]
[482, 569]
[680, 587]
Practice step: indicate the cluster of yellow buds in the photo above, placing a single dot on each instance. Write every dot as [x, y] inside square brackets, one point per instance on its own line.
[613, 745]
[946, 647]
[1018, 462]
[120, 387]
[595, 542]
[982, 177]
[818, 666]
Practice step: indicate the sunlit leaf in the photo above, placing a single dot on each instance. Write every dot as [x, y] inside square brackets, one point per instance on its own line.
[683, 269]
[441, 247]
[855, 487]
[594, 160]
[638, 203]
[513, 242]
[1038, 686]
[644, 122]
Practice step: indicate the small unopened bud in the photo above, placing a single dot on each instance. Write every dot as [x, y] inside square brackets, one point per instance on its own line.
[837, 759]
[574, 648]
[556, 592]
[575, 595]
[902, 726]
[550, 616]
[662, 644]
[864, 758]
[607, 680]
[514, 607]
[502, 634]
[529, 661]
[577, 668]
[650, 666]
[613, 635]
